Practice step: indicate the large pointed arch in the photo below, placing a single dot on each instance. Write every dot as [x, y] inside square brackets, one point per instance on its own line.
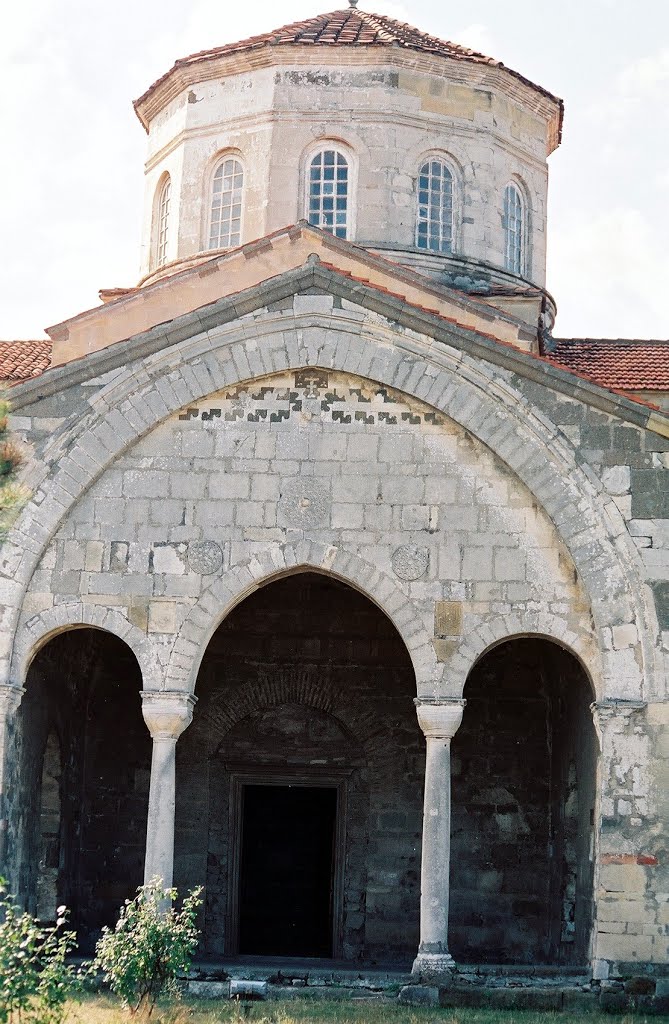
[228, 590]
[470, 391]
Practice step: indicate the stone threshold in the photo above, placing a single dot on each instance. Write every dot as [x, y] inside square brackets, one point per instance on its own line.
[538, 987]
[289, 978]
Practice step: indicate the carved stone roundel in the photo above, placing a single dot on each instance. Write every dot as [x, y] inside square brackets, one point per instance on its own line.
[205, 557]
[410, 563]
[304, 503]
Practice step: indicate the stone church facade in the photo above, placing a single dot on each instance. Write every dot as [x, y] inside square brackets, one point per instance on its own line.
[343, 586]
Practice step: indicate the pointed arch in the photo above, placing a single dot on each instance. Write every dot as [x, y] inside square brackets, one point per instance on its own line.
[231, 588]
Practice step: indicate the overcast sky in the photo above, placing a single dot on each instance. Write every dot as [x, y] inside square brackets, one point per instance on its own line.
[73, 150]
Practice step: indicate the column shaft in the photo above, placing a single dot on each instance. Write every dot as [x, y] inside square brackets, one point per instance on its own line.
[166, 714]
[439, 720]
[435, 861]
[159, 860]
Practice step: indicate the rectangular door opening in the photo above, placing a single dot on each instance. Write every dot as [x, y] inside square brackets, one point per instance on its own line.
[286, 879]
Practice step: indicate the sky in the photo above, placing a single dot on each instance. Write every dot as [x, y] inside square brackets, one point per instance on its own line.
[72, 153]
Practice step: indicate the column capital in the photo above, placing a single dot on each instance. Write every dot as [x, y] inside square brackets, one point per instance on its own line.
[614, 709]
[167, 712]
[10, 698]
[439, 719]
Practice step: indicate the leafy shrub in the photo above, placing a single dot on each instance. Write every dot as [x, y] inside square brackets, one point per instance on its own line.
[151, 944]
[35, 979]
[12, 494]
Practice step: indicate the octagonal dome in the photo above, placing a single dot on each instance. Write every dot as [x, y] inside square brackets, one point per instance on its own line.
[421, 149]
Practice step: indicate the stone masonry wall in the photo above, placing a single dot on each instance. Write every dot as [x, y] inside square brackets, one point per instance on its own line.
[633, 905]
[313, 453]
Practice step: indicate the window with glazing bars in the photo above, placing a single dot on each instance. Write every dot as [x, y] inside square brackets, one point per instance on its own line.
[226, 205]
[163, 222]
[328, 192]
[434, 226]
[513, 230]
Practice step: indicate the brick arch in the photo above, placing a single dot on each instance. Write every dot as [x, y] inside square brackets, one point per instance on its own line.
[538, 626]
[298, 689]
[36, 632]
[233, 586]
[470, 392]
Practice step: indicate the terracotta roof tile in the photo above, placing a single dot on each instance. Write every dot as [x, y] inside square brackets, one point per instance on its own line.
[628, 365]
[350, 27]
[20, 360]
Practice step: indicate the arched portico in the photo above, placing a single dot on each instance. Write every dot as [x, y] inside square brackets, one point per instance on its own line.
[590, 557]
[306, 688]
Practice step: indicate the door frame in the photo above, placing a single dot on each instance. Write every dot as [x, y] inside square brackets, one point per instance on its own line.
[241, 776]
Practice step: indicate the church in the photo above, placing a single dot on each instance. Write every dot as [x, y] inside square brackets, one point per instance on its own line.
[343, 586]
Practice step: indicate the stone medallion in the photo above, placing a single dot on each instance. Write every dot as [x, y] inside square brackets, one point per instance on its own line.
[304, 504]
[205, 557]
[410, 563]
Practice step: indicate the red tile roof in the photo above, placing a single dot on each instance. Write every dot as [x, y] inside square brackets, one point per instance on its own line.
[627, 365]
[618, 364]
[20, 360]
[351, 28]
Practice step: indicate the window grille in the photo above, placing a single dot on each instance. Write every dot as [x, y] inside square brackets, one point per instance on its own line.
[513, 230]
[163, 222]
[434, 226]
[225, 228]
[328, 192]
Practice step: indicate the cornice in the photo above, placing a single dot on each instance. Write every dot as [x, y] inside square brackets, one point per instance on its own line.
[182, 77]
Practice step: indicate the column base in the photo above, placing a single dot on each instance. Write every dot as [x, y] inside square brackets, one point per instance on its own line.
[434, 966]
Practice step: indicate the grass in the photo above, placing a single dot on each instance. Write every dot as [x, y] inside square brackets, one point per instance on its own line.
[103, 1010]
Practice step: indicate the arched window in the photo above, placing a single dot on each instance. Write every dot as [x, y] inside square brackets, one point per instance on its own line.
[328, 192]
[163, 221]
[434, 224]
[514, 255]
[225, 226]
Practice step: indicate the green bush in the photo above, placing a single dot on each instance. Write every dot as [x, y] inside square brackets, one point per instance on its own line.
[35, 979]
[151, 944]
[12, 494]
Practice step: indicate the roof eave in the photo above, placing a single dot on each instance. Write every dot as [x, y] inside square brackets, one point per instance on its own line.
[536, 368]
[188, 71]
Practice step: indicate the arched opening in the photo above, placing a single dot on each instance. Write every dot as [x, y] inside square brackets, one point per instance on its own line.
[524, 770]
[84, 755]
[299, 783]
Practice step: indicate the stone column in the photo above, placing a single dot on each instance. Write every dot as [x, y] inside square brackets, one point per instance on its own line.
[439, 720]
[166, 714]
[10, 698]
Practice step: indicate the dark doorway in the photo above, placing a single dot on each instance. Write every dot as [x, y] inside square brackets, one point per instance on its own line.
[286, 876]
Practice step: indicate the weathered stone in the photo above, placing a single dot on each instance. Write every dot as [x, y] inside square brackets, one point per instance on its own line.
[205, 557]
[209, 989]
[410, 563]
[419, 995]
